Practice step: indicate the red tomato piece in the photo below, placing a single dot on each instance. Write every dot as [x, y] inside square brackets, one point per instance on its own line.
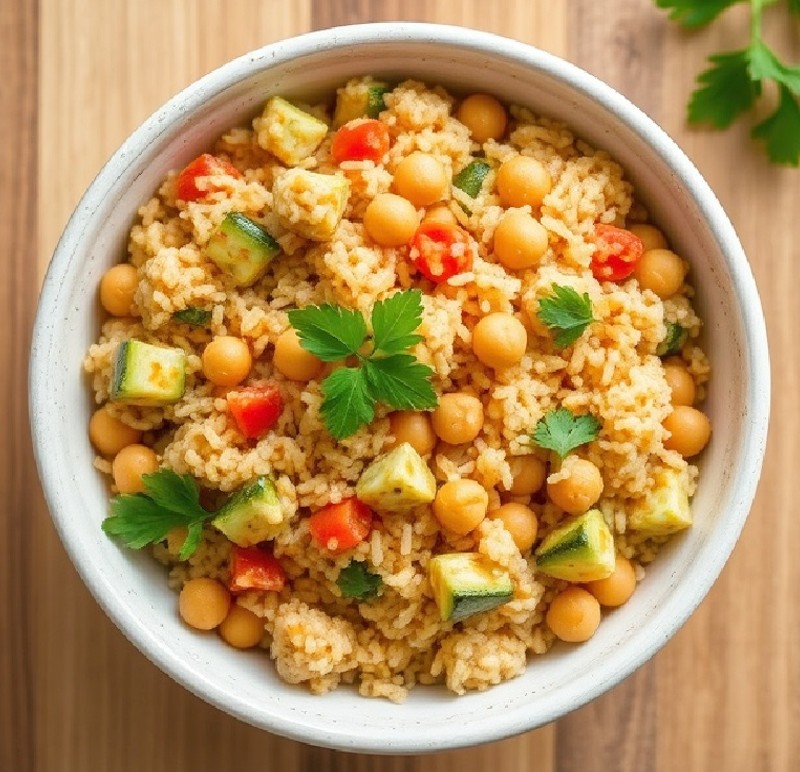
[347, 524]
[256, 409]
[364, 139]
[205, 165]
[255, 569]
[440, 250]
[617, 253]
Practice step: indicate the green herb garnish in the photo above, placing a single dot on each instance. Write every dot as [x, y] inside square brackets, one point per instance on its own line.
[567, 312]
[357, 581]
[197, 317]
[562, 432]
[734, 81]
[384, 374]
[170, 501]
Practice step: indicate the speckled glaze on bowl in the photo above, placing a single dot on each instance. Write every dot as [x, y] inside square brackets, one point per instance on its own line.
[133, 590]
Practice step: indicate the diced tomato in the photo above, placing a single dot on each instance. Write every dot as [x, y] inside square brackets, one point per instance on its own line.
[440, 250]
[255, 569]
[338, 527]
[617, 253]
[205, 165]
[256, 409]
[363, 139]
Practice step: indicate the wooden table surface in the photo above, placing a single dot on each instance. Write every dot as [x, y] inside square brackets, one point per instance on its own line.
[76, 76]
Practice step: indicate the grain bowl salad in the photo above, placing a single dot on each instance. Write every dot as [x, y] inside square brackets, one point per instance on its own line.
[400, 389]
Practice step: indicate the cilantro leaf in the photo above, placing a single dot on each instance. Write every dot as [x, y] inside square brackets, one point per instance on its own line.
[197, 317]
[562, 432]
[781, 130]
[171, 501]
[394, 321]
[355, 580]
[401, 382]
[174, 492]
[691, 13]
[567, 312]
[329, 332]
[764, 64]
[347, 403]
[726, 90]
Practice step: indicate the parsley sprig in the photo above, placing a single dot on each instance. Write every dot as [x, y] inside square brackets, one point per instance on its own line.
[567, 313]
[734, 81]
[385, 372]
[170, 501]
[355, 580]
[562, 432]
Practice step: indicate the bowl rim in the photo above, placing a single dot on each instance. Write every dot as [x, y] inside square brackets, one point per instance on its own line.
[495, 725]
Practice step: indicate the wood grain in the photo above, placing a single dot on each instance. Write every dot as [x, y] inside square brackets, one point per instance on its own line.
[76, 697]
[18, 287]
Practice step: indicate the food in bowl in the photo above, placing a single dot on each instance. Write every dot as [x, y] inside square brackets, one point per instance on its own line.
[402, 393]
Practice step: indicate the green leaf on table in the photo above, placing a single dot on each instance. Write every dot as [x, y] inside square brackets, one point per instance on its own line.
[781, 131]
[695, 13]
[725, 91]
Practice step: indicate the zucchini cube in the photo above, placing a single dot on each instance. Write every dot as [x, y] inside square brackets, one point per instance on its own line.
[309, 203]
[289, 133]
[580, 550]
[666, 510]
[251, 515]
[241, 248]
[398, 481]
[467, 583]
[148, 375]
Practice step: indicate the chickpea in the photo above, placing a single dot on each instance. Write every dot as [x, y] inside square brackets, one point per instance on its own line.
[661, 271]
[529, 474]
[520, 521]
[578, 492]
[574, 615]
[520, 241]
[242, 629]
[117, 288]
[651, 237]
[203, 603]
[681, 384]
[414, 428]
[522, 180]
[130, 464]
[484, 116]
[293, 361]
[175, 539]
[499, 340]
[421, 179]
[440, 213]
[616, 589]
[460, 505]
[110, 435]
[226, 361]
[390, 220]
[689, 429]
[458, 418]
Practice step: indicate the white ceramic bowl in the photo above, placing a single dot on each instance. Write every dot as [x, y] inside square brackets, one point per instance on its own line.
[133, 590]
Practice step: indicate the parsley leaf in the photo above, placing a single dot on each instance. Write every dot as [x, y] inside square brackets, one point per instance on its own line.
[781, 131]
[385, 374]
[171, 501]
[400, 381]
[329, 332]
[726, 90]
[764, 64]
[567, 312]
[347, 403]
[794, 6]
[357, 581]
[562, 432]
[394, 321]
[197, 317]
[691, 13]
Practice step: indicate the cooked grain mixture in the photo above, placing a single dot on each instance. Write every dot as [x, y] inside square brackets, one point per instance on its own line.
[401, 392]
